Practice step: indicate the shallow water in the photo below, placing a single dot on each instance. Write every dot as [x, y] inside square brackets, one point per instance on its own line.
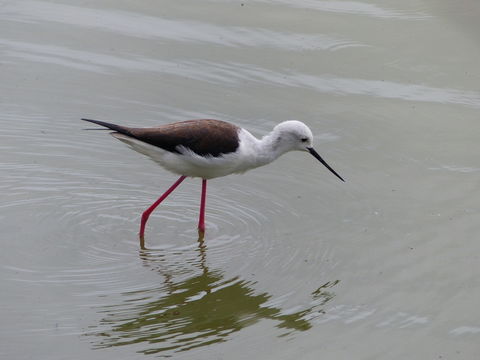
[294, 262]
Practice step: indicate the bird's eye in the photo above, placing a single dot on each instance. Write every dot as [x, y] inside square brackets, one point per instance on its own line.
[304, 139]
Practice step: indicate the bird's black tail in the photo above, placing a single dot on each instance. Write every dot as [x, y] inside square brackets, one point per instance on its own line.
[118, 128]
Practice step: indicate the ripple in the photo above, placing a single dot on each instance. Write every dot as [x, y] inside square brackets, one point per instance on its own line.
[86, 215]
[195, 309]
[179, 294]
[147, 27]
[235, 73]
[459, 169]
[462, 330]
[366, 87]
[351, 8]
[174, 301]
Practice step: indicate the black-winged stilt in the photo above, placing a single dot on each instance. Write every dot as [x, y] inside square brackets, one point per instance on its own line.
[209, 148]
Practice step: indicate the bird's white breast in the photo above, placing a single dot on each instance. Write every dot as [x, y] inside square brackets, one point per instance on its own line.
[191, 164]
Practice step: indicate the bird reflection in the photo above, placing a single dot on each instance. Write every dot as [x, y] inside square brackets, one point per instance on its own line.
[196, 310]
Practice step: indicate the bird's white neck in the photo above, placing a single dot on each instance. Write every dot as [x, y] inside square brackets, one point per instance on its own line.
[265, 150]
[272, 147]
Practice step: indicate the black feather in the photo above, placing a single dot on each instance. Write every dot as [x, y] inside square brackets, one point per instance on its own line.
[118, 128]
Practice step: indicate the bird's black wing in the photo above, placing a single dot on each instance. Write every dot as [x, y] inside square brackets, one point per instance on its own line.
[203, 137]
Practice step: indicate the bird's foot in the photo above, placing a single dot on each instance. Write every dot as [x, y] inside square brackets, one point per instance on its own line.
[141, 237]
[201, 234]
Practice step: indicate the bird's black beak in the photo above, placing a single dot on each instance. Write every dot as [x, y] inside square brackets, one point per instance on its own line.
[319, 158]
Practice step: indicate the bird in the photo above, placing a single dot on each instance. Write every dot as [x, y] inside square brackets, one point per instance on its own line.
[209, 148]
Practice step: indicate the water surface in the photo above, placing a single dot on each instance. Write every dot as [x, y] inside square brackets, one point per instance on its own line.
[294, 262]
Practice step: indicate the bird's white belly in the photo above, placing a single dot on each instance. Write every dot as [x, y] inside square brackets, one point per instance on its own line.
[187, 162]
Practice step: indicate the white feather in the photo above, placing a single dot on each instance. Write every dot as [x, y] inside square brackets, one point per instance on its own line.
[251, 152]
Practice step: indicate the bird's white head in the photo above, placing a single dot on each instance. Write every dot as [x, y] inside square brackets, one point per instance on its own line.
[293, 135]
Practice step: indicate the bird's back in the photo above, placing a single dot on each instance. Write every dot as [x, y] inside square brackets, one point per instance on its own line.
[205, 137]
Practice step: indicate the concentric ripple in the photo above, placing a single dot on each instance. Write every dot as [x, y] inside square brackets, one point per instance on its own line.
[181, 292]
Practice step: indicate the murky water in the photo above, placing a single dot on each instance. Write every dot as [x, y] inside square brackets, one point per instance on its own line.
[294, 262]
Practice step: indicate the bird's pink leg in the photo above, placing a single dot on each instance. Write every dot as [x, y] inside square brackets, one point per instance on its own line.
[201, 219]
[147, 212]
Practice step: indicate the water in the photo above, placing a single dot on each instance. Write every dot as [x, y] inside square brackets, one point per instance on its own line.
[294, 262]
